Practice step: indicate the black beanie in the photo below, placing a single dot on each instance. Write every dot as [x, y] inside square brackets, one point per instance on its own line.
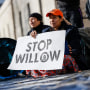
[36, 15]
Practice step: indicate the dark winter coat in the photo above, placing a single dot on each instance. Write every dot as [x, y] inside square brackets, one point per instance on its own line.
[72, 36]
[40, 29]
[74, 40]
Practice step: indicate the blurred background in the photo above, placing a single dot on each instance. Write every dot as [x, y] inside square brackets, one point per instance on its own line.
[14, 15]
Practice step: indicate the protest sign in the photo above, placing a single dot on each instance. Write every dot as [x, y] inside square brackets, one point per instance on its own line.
[45, 52]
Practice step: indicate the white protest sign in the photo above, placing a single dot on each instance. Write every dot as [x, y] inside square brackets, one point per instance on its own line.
[45, 52]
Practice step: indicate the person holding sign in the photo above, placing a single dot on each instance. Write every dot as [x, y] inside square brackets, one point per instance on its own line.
[69, 64]
[72, 35]
[36, 24]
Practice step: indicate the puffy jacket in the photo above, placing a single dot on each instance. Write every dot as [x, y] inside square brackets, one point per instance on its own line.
[73, 38]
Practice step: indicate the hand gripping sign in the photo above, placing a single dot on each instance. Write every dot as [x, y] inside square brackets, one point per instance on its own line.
[45, 52]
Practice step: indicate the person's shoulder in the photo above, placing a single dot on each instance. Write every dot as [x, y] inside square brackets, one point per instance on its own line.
[47, 28]
[71, 27]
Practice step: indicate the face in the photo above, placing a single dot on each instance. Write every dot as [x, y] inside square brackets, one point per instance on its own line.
[55, 21]
[34, 22]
